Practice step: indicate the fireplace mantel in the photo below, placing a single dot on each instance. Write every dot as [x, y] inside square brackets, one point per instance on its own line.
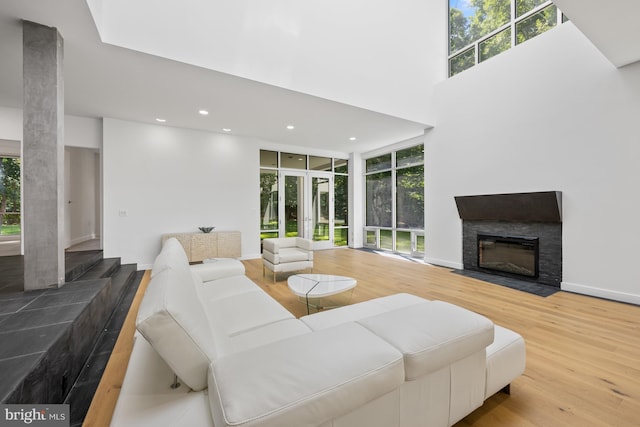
[543, 206]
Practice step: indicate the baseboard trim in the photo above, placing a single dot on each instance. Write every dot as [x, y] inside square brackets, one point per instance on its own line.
[81, 239]
[601, 293]
[444, 263]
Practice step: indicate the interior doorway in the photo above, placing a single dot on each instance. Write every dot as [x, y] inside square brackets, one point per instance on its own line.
[82, 199]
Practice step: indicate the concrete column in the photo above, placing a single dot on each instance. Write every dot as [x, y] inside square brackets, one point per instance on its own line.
[43, 157]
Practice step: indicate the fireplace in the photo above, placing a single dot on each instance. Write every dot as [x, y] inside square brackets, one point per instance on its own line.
[509, 255]
[517, 235]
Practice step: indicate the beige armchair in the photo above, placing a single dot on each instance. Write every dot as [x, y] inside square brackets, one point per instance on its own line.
[286, 254]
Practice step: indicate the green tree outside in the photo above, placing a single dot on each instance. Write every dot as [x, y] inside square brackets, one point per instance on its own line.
[9, 195]
[487, 17]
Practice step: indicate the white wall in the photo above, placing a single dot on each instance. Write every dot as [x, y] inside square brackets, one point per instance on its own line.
[10, 123]
[551, 114]
[175, 180]
[159, 179]
[78, 131]
[82, 132]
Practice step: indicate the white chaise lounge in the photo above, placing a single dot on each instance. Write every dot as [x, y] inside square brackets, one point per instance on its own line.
[243, 360]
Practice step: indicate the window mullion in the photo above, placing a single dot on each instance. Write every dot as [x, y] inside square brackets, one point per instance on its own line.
[476, 52]
[394, 201]
[513, 23]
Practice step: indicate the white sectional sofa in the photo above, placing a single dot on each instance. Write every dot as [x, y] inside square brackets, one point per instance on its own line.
[241, 359]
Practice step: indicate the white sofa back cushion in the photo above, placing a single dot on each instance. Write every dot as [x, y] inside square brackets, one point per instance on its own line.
[173, 321]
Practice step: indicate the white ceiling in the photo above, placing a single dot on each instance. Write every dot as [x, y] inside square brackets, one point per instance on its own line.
[102, 80]
[611, 25]
[375, 54]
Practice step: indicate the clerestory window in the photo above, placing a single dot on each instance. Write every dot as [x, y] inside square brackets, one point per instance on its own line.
[481, 29]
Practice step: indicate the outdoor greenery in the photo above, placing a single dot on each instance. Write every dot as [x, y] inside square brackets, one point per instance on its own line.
[378, 200]
[341, 199]
[482, 17]
[268, 200]
[269, 214]
[9, 195]
[403, 178]
[409, 186]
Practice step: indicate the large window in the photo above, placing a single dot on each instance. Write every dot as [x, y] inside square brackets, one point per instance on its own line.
[481, 29]
[304, 195]
[395, 201]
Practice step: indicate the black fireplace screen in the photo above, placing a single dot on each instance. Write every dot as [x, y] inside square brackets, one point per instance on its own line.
[508, 254]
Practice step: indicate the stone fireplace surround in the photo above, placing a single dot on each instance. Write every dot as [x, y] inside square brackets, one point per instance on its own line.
[537, 214]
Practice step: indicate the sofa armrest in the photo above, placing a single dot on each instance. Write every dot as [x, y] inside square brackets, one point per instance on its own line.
[305, 244]
[218, 269]
[308, 379]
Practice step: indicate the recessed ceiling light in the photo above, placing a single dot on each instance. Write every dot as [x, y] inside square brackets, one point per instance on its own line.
[203, 112]
[291, 127]
[159, 120]
[226, 129]
[353, 138]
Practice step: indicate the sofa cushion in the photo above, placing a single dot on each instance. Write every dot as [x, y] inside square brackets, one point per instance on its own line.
[293, 254]
[218, 268]
[172, 320]
[361, 310]
[242, 312]
[305, 380]
[261, 335]
[431, 335]
[227, 287]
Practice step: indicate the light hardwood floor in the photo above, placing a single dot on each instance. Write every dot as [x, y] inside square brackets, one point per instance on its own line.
[583, 353]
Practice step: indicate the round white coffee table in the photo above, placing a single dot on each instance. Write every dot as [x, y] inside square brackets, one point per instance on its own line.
[321, 291]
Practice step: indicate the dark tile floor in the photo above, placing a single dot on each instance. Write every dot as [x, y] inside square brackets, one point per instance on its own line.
[11, 274]
[521, 285]
[55, 343]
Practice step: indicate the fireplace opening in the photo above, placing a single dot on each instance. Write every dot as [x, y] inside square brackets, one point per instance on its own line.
[511, 255]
